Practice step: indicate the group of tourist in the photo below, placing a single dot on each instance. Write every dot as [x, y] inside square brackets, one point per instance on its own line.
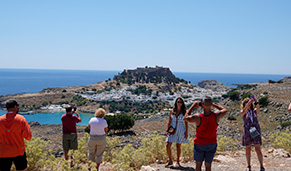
[205, 141]
[14, 128]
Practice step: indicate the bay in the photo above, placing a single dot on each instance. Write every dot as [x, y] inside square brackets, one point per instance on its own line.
[53, 117]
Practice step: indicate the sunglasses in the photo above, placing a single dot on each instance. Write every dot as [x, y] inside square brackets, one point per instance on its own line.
[179, 102]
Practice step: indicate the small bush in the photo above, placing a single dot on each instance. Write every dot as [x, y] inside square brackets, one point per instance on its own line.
[281, 140]
[231, 118]
[234, 95]
[246, 95]
[64, 91]
[225, 143]
[263, 101]
[265, 93]
[285, 124]
[45, 103]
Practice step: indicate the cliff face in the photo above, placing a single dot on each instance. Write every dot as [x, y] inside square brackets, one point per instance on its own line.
[148, 75]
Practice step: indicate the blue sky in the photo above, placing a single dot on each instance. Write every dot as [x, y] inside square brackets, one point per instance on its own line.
[222, 36]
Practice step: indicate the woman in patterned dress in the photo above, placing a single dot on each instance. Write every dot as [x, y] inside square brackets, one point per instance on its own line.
[249, 114]
[181, 134]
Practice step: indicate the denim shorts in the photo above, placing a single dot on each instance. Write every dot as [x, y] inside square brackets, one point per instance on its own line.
[204, 152]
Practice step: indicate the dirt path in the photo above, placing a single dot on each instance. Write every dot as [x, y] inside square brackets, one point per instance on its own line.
[236, 162]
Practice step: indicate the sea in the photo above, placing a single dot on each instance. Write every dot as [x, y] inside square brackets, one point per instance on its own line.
[13, 81]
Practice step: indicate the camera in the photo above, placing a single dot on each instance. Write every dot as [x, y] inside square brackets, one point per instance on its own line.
[75, 109]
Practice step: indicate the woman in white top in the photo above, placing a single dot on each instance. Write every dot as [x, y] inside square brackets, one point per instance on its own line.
[97, 141]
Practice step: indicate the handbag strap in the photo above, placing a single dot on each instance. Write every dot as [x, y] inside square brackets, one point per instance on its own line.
[176, 121]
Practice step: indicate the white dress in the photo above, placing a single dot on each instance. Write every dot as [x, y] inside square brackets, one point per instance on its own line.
[179, 136]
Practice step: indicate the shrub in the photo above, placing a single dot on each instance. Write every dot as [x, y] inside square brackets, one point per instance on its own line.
[231, 118]
[263, 101]
[285, 124]
[234, 95]
[265, 93]
[281, 140]
[225, 143]
[64, 91]
[44, 103]
[111, 150]
[246, 95]
[272, 81]
[36, 151]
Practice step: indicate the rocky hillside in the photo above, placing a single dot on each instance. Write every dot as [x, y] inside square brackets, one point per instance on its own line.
[214, 85]
[286, 80]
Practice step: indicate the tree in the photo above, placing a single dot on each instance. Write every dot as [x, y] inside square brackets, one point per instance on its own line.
[119, 122]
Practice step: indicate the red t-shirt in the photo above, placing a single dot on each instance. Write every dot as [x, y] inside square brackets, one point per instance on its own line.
[207, 130]
[69, 123]
[13, 129]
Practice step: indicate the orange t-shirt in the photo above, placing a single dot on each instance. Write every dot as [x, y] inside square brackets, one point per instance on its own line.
[13, 128]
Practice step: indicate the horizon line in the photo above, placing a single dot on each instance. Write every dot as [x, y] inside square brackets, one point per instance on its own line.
[139, 67]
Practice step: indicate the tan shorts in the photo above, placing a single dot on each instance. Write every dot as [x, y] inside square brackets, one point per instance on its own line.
[96, 147]
[70, 142]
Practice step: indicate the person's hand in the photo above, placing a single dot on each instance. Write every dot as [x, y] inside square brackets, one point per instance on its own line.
[197, 102]
[167, 133]
[186, 136]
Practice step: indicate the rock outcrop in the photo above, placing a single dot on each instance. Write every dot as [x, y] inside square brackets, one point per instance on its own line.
[286, 80]
[214, 85]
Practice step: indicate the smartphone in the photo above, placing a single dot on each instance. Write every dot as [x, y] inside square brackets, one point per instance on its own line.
[253, 97]
[75, 109]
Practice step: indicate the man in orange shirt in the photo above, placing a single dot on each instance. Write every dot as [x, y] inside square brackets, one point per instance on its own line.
[13, 129]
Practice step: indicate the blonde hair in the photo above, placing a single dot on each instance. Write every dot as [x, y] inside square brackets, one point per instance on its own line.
[244, 102]
[100, 113]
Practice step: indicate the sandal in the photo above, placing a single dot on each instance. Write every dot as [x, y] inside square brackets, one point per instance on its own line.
[178, 164]
[262, 169]
[249, 168]
[168, 164]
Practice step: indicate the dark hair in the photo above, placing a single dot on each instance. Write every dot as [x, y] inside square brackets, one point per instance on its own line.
[207, 101]
[69, 108]
[11, 104]
[183, 107]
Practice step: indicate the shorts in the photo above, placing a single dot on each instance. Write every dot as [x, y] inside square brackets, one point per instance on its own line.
[204, 152]
[20, 163]
[70, 141]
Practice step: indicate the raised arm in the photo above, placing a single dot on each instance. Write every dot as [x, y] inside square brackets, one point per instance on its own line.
[221, 111]
[245, 109]
[192, 118]
[78, 116]
[257, 107]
